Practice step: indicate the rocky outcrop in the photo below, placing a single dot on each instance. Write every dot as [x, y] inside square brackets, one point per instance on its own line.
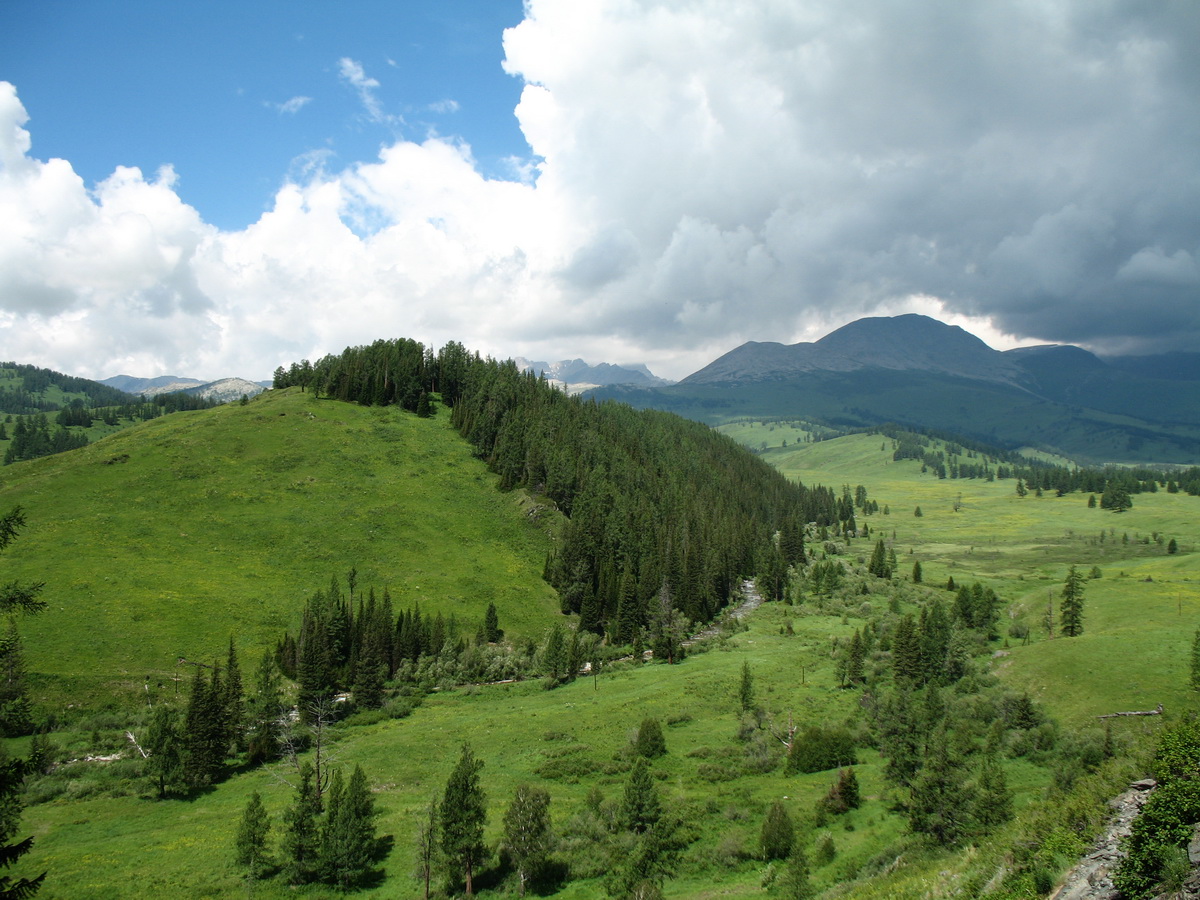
[1091, 879]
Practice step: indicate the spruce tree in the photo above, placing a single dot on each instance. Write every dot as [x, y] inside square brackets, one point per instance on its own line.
[348, 840]
[993, 799]
[746, 688]
[1195, 661]
[491, 625]
[251, 843]
[778, 834]
[940, 801]
[527, 835]
[640, 806]
[795, 884]
[234, 722]
[1071, 605]
[650, 742]
[302, 837]
[462, 816]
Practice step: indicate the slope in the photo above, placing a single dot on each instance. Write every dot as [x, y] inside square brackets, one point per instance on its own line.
[164, 539]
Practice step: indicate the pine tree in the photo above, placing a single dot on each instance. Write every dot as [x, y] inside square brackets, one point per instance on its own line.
[491, 625]
[855, 656]
[778, 834]
[650, 742]
[1195, 662]
[640, 806]
[795, 884]
[940, 801]
[251, 843]
[746, 688]
[916, 572]
[993, 799]
[301, 836]
[1071, 605]
[463, 814]
[348, 841]
[234, 722]
[265, 711]
[527, 835]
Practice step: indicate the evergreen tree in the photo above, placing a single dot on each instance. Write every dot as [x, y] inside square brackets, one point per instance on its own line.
[778, 834]
[916, 572]
[266, 710]
[164, 764]
[348, 841]
[878, 565]
[993, 799]
[463, 814]
[855, 657]
[650, 742]
[527, 836]
[1195, 661]
[940, 801]
[746, 688]
[491, 625]
[15, 716]
[12, 778]
[640, 806]
[234, 701]
[302, 836]
[251, 843]
[1071, 605]
[795, 884]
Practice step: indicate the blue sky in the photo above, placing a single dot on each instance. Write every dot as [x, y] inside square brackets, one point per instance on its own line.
[205, 87]
[218, 189]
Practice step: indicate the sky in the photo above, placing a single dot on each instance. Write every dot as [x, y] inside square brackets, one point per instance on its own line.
[219, 189]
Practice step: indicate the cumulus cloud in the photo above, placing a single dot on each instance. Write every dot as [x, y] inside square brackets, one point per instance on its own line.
[700, 176]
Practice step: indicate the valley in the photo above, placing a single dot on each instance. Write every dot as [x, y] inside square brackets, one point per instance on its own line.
[165, 539]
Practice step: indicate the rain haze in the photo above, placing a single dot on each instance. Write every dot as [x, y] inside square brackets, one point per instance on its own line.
[216, 191]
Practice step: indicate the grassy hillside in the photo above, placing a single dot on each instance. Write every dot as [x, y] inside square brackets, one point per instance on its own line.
[164, 539]
[1142, 611]
[416, 512]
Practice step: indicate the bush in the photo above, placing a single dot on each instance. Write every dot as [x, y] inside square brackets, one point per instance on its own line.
[817, 749]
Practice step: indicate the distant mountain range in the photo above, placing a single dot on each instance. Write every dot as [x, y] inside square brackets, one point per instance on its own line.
[917, 371]
[223, 390]
[576, 375]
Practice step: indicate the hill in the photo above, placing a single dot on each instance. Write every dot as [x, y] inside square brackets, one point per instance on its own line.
[164, 539]
[919, 372]
[723, 770]
[26, 389]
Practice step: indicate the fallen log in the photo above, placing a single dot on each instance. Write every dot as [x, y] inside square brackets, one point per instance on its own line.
[1144, 712]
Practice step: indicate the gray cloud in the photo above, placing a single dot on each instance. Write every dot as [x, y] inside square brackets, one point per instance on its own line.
[701, 175]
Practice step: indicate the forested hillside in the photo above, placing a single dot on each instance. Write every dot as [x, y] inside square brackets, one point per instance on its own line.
[25, 390]
[652, 499]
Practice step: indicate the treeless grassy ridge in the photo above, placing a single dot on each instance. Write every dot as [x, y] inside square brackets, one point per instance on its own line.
[166, 538]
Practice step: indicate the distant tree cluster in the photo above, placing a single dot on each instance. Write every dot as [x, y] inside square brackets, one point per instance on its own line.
[32, 438]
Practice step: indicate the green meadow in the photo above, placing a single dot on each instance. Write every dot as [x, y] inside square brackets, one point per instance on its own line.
[162, 540]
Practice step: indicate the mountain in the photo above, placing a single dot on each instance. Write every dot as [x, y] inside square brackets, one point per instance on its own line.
[224, 389]
[577, 375]
[919, 372]
[909, 342]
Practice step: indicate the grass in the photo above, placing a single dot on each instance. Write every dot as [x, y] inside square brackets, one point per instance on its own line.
[404, 501]
[164, 539]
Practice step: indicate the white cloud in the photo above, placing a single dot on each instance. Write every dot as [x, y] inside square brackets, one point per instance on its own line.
[293, 106]
[354, 75]
[701, 175]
